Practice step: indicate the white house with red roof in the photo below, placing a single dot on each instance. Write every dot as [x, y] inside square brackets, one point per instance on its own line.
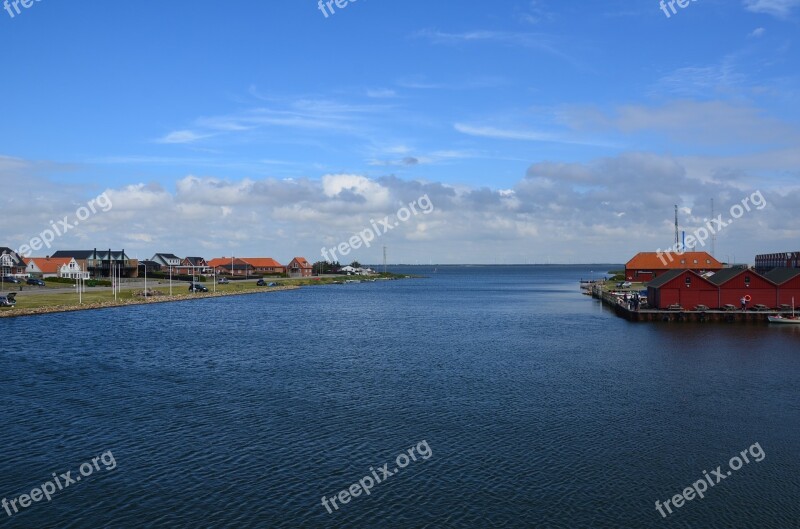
[64, 267]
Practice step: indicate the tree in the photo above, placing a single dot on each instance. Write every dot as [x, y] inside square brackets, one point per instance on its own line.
[355, 264]
[324, 267]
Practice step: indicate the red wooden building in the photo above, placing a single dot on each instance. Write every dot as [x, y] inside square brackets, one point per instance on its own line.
[686, 288]
[737, 283]
[788, 281]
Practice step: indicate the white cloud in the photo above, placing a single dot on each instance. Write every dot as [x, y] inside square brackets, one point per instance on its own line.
[182, 136]
[688, 122]
[608, 208]
[777, 8]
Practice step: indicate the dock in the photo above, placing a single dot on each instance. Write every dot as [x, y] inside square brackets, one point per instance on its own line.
[681, 316]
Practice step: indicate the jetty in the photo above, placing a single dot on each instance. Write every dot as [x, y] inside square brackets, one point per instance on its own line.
[678, 314]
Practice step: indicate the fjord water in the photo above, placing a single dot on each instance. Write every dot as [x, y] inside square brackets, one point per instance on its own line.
[541, 409]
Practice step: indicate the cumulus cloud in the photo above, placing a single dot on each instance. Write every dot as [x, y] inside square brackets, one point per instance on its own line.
[604, 209]
[777, 8]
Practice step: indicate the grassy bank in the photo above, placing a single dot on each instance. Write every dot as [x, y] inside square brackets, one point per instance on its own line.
[45, 302]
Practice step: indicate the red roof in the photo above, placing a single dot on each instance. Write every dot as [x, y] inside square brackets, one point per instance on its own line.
[49, 265]
[672, 261]
[223, 261]
[302, 262]
[262, 262]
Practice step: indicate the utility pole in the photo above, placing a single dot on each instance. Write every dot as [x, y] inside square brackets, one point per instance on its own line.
[384, 259]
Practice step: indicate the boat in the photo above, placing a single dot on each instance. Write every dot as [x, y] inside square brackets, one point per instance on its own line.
[785, 319]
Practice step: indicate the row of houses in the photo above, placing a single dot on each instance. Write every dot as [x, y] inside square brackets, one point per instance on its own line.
[778, 288]
[647, 266]
[696, 278]
[95, 264]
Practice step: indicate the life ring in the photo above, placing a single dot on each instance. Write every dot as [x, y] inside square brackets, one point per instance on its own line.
[747, 298]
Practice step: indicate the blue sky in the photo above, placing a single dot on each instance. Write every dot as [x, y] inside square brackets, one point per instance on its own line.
[541, 130]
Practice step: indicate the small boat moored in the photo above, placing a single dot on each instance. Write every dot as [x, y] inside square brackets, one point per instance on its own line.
[785, 319]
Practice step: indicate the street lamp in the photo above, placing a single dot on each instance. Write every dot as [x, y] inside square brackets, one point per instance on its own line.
[145, 280]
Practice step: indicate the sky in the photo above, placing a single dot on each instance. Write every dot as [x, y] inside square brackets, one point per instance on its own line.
[538, 131]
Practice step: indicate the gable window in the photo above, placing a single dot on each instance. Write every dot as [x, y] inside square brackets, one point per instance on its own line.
[688, 281]
[747, 281]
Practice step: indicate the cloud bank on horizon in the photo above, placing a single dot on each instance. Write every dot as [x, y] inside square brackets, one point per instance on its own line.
[541, 132]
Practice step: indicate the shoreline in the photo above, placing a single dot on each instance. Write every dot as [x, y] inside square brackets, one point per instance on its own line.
[56, 309]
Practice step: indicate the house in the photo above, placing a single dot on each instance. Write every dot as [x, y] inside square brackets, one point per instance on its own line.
[736, 283]
[166, 260]
[686, 288]
[11, 263]
[646, 266]
[299, 267]
[265, 265]
[231, 266]
[788, 281]
[62, 267]
[102, 263]
[194, 266]
[149, 266]
[349, 270]
[768, 261]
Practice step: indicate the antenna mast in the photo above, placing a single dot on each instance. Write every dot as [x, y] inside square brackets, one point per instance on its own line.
[713, 233]
[677, 234]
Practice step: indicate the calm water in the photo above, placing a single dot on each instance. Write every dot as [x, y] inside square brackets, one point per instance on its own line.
[541, 409]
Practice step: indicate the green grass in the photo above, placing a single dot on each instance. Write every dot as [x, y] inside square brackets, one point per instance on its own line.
[70, 299]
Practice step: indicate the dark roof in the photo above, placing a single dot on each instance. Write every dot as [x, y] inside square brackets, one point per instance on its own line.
[14, 255]
[195, 260]
[665, 278]
[725, 275]
[116, 255]
[76, 254]
[168, 256]
[780, 276]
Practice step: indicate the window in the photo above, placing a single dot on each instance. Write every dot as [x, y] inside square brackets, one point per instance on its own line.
[688, 281]
[695, 261]
[683, 261]
[747, 281]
